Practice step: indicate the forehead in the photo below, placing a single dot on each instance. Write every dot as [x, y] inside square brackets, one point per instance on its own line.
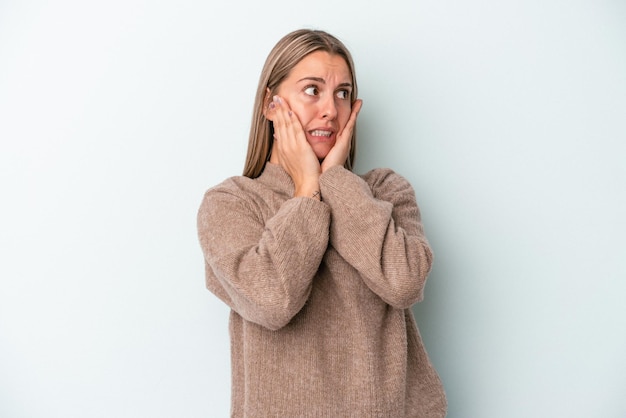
[324, 65]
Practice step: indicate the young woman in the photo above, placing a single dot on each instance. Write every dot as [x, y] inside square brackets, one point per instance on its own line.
[319, 266]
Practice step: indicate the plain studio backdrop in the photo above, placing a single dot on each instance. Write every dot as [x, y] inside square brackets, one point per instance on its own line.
[508, 117]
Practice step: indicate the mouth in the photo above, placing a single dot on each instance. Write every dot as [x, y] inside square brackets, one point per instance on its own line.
[321, 134]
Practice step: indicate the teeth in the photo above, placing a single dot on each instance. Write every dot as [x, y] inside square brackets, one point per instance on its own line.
[320, 133]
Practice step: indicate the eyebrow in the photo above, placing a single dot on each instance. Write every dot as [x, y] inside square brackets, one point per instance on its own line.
[322, 81]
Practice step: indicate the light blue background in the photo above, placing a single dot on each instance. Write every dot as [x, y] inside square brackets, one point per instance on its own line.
[508, 117]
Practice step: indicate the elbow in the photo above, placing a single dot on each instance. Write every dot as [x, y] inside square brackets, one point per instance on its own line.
[406, 271]
[274, 321]
[400, 289]
[267, 304]
[272, 316]
[403, 297]
[417, 295]
[420, 272]
[407, 287]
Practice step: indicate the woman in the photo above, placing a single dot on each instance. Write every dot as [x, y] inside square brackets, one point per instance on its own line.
[319, 266]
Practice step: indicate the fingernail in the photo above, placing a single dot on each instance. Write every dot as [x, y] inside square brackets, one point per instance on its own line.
[290, 113]
[272, 105]
[277, 99]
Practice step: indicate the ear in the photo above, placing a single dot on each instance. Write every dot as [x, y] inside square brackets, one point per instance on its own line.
[266, 102]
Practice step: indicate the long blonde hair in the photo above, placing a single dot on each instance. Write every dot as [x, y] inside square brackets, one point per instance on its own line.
[285, 55]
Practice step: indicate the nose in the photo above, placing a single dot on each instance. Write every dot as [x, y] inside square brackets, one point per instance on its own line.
[329, 108]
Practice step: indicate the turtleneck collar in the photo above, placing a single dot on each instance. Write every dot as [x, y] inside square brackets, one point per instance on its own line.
[275, 177]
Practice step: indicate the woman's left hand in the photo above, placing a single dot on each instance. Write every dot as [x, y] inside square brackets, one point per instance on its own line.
[341, 150]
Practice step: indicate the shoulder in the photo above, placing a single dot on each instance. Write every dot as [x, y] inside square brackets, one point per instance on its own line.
[386, 179]
[234, 187]
[236, 191]
[235, 184]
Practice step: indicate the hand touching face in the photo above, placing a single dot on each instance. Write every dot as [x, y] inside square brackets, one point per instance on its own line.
[318, 91]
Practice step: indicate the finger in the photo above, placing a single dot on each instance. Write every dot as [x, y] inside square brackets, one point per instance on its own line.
[293, 151]
[278, 119]
[287, 122]
[356, 108]
[282, 118]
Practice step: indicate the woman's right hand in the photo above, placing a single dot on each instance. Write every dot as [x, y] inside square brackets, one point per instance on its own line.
[291, 149]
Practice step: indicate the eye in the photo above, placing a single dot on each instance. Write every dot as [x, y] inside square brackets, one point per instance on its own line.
[343, 94]
[311, 91]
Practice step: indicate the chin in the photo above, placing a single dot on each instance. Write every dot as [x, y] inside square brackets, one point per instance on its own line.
[321, 157]
[321, 152]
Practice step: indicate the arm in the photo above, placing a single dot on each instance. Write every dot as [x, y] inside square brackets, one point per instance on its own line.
[376, 227]
[262, 269]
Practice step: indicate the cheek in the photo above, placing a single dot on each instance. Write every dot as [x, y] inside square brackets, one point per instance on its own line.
[302, 111]
[344, 115]
[295, 104]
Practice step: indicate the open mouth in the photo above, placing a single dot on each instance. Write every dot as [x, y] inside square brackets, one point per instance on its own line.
[320, 132]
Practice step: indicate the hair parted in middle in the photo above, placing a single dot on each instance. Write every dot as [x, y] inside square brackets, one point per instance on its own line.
[285, 55]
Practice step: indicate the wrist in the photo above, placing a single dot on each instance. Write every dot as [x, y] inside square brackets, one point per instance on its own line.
[311, 190]
[317, 195]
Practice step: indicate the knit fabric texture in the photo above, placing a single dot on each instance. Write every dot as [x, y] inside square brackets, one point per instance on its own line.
[320, 295]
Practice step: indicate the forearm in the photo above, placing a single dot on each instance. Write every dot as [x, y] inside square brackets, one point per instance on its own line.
[309, 188]
[381, 236]
[264, 267]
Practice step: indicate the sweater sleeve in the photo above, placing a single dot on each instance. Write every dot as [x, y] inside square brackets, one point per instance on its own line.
[376, 227]
[263, 269]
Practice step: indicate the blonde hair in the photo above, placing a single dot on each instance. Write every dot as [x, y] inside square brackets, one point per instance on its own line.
[285, 55]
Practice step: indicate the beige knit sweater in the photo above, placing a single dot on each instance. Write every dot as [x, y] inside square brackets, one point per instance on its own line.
[320, 294]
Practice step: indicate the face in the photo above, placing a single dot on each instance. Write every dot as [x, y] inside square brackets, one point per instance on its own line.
[318, 91]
